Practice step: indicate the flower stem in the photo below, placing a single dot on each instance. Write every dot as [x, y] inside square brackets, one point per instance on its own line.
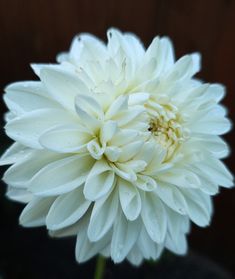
[100, 268]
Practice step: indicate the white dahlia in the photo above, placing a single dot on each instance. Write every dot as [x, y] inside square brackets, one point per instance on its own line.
[117, 145]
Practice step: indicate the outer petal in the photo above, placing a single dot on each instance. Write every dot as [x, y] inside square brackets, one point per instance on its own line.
[62, 85]
[212, 122]
[135, 256]
[67, 210]
[154, 217]
[163, 50]
[199, 206]
[125, 234]
[178, 246]
[61, 176]
[120, 104]
[91, 122]
[85, 249]
[146, 183]
[18, 195]
[66, 139]
[103, 216]
[149, 249]
[176, 239]
[185, 67]
[67, 231]
[181, 177]
[130, 199]
[15, 153]
[215, 171]
[90, 105]
[84, 46]
[171, 196]
[130, 150]
[34, 214]
[99, 181]
[28, 128]
[22, 172]
[22, 97]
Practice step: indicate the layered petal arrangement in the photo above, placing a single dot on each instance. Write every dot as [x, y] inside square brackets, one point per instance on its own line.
[118, 145]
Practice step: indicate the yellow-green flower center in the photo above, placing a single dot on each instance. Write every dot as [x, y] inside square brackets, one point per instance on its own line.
[167, 126]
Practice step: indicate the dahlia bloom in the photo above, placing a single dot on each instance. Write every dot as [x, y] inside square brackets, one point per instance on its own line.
[118, 145]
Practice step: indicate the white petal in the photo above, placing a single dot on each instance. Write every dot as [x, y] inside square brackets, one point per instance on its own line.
[115, 41]
[185, 67]
[62, 85]
[213, 144]
[87, 46]
[123, 137]
[99, 182]
[85, 249]
[130, 150]
[95, 150]
[18, 195]
[87, 119]
[36, 67]
[65, 139]
[157, 157]
[90, 105]
[146, 153]
[175, 240]
[216, 172]
[112, 153]
[125, 117]
[124, 172]
[178, 246]
[135, 256]
[22, 172]
[68, 231]
[8, 116]
[125, 234]
[147, 70]
[181, 178]
[61, 176]
[154, 217]
[139, 98]
[120, 104]
[163, 50]
[211, 121]
[15, 153]
[130, 199]
[217, 91]
[34, 214]
[106, 251]
[196, 63]
[207, 186]
[107, 131]
[180, 70]
[28, 128]
[199, 206]
[120, 48]
[171, 196]
[27, 96]
[103, 215]
[146, 183]
[136, 47]
[67, 210]
[148, 247]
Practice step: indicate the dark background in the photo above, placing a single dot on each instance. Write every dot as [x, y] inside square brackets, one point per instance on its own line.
[35, 31]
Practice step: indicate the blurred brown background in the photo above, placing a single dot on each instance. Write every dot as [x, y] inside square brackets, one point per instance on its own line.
[35, 31]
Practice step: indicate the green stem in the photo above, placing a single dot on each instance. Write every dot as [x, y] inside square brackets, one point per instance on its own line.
[100, 267]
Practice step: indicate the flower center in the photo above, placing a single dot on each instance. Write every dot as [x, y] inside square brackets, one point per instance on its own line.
[166, 126]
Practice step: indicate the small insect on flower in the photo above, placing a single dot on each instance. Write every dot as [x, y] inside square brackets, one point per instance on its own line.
[118, 145]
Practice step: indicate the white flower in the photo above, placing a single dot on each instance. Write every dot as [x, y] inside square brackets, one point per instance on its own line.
[118, 145]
